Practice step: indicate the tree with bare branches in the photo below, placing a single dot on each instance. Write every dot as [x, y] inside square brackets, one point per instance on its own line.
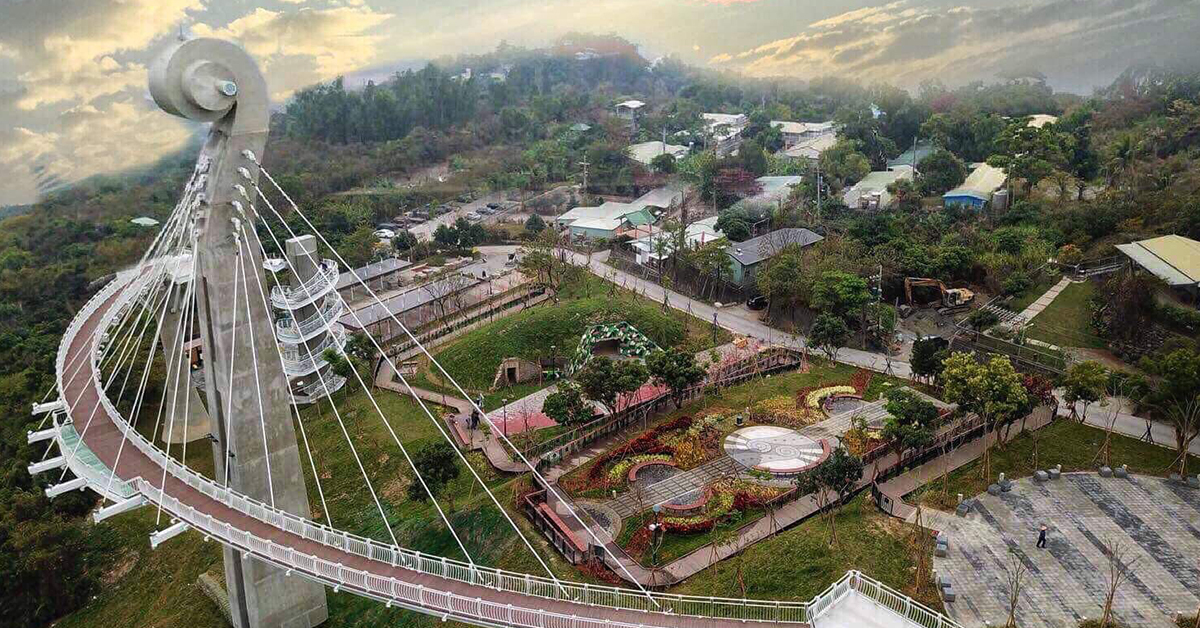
[1015, 573]
[1119, 570]
[1184, 416]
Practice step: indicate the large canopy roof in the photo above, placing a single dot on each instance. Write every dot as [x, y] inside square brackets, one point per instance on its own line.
[1172, 258]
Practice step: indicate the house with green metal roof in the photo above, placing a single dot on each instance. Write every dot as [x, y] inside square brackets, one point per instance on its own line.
[610, 219]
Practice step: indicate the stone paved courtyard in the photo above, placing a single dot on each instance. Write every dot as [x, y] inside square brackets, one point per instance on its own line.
[1157, 523]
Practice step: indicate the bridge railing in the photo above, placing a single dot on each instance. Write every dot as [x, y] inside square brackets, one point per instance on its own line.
[900, 604]
[524, 584]
[396, 590]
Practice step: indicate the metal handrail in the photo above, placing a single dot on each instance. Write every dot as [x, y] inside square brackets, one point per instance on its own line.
[424, 598]
[318, 388]
[288, 331]
[317, 286]
[298, 361]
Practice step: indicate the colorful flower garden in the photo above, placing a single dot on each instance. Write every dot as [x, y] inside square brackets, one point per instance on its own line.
[693, 437]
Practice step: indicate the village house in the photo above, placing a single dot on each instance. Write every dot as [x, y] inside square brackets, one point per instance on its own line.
[724, 131]
[872, 192]
[611, 219]
[645, 152]
[983, 188]
[747, 257]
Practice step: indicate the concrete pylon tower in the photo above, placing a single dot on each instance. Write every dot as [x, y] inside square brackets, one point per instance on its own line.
[209, 80]
[188, 420]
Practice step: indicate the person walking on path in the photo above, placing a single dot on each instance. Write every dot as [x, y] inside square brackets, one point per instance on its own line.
[1041, 542]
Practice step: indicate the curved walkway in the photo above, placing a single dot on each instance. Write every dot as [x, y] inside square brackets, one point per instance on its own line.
[335, 558]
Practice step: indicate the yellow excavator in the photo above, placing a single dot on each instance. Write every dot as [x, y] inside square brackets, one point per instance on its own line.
[951, 299]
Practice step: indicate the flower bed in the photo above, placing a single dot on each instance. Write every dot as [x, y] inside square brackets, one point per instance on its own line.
[608, 471]
[693, 507]
[723, 497]
[861, 380]
[827, 404]
[783, 410]
[815, 398]
[630, 466]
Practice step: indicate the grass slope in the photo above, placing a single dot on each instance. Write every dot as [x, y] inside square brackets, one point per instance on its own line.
[799, 563]
[1071, 444]
[1066, 322]
[473, 358]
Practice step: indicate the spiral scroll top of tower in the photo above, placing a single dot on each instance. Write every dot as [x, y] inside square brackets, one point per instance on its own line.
[203, 79]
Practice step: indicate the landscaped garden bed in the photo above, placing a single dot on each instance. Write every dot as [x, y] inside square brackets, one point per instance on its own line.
[683, 442]
[689, 440]
[726, 502]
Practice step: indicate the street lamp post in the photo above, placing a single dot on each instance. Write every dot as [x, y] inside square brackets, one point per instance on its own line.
[505, 402]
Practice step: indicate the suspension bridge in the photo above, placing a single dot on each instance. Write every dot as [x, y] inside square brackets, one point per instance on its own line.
[229, 277]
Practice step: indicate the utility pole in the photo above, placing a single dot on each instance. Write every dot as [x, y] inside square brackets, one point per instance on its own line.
[818, 188]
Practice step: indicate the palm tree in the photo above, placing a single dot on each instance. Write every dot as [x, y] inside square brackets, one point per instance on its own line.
[1123, 154]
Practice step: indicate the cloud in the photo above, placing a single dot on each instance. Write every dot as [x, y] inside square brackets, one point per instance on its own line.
[904, 43]
[314, 44]
[77, 101]
[71, 49]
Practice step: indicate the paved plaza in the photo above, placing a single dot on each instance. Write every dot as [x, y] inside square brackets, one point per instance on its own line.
[772, 448]
[1155, 522]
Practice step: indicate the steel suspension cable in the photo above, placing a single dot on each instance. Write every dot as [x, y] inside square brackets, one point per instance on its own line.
[140, 397]
[228, 441]
[532, 468]
[357, 460]
[421, 402]
[175, 224]
[291, 395]
[189, 303]
[329, 329]
[262, 417]
[123, 354]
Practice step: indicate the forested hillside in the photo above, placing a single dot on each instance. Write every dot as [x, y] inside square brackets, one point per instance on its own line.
[1121, 164]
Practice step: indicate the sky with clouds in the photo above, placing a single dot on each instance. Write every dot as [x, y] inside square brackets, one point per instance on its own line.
[73, 97]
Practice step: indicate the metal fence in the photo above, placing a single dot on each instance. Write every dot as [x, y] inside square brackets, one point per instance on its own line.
[426, 599]
[553, 449]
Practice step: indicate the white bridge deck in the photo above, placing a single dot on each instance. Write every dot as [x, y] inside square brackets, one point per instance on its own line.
[429, 584]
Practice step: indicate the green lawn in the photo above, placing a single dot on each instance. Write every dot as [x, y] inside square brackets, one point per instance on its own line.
[1025, 299]
[1065, 442]
[799, 563]
[1067, 321]
[555, 329]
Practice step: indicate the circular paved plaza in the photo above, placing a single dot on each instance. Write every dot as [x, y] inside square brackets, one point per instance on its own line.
[774, 449]
[1156, 524]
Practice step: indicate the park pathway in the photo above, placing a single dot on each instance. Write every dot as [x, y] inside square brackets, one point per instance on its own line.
[735, 320]
[739, 322]
[1042, 302]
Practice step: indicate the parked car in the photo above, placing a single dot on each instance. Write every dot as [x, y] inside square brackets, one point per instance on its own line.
[758, 303]
[493, 205]
[472, 216]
